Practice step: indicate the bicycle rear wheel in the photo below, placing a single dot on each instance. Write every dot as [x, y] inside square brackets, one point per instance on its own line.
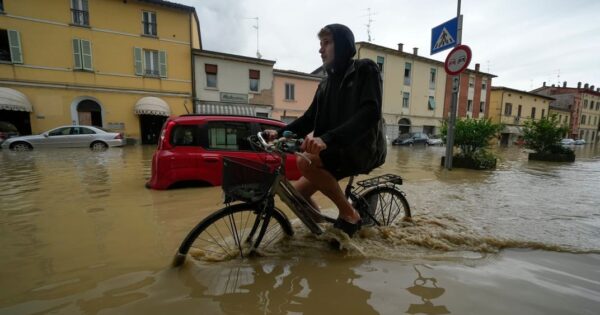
[234, 231]
[386, 204]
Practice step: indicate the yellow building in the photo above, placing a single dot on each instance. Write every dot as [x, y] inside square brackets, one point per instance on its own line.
[124, 65]
[513, 108]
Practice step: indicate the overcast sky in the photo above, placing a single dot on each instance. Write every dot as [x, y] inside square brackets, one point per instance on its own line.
[523, 42]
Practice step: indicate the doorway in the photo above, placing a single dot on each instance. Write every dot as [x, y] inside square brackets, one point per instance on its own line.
[89, 113]
[151, 126]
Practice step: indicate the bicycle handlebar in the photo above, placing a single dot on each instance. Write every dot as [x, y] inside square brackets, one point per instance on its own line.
[286, 144]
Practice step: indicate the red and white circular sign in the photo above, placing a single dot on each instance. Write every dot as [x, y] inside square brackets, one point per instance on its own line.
[458, 60]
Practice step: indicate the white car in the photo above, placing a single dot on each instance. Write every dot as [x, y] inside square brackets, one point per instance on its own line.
[435, 141]
[67, 137]
[579, 141]
[567, 141]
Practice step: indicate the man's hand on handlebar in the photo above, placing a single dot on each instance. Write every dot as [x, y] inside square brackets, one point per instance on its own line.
[270, 134]
[313, 145]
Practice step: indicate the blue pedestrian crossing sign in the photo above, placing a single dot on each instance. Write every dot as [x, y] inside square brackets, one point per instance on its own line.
[444, 36]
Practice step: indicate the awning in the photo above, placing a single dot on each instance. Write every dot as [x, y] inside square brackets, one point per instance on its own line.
[14, 100]
[226, 109]
[152, 106]
[512, 129]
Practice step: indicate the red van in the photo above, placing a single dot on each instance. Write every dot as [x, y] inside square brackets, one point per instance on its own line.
[191, 148]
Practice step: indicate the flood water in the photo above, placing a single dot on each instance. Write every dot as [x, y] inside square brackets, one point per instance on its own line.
[79, 234]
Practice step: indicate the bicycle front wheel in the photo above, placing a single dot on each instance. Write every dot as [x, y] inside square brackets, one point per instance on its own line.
[234, 232]
[387, 205]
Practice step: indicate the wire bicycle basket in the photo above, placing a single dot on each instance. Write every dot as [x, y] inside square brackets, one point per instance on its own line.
[246, 180]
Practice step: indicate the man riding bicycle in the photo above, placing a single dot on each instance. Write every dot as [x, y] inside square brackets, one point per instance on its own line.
[343, 127]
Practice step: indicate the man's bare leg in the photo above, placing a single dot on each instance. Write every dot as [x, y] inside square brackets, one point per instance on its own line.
[323, 181]
[306, 189]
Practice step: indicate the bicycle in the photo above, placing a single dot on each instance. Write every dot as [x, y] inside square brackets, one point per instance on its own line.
[243, 229]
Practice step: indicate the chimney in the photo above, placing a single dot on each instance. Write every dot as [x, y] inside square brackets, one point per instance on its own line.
[592, 87]
[552, 85]
[477, 67]
[598, 90]
[586, 86]
[544, 83]
[400, 45]
[565, 84]
[579, 85]
[416, 50]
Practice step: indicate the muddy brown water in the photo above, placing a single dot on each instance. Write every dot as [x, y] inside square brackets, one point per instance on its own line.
[79, 234]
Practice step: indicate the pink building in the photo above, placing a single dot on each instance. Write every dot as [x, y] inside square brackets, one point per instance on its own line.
[293, 92]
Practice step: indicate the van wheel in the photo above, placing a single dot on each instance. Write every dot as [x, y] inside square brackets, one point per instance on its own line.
[21, 146]
[98, 146]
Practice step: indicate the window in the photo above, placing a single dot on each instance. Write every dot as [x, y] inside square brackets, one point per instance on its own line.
[151, 63]
[431, 103]
[591, 104]
[263, 115]
[519, 110]
[407, 68]
[64, 131]
[229, 136]
[471, 82]
[481, 107]
[149, 23]
[469, 105]
[508, 109]
[380, 63]
[80, 12]
[585, 103]
[583, 119]
[432, 73]
[484, 85]
[187, 135]
[543, 113]
[254, 80]
[1, 6]
[10, 46]
[211, 75]
[289, 91]
[405, 99]
[82, 54]
[533, 113]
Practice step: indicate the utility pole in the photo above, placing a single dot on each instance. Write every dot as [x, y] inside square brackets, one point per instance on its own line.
[256, 27]
[454, 103]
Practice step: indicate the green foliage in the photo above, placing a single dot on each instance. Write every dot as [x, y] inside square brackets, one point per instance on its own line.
[543, 135]
[472, 136]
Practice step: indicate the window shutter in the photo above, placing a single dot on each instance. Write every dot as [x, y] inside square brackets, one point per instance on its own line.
[162, 63]
[84, 5]
[14, 41]
[254, 74]
[211, 69]
[138, 63]
[75, 5]
[86, 54]
[77, 53]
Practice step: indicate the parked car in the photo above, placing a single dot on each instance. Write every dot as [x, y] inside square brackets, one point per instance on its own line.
[7, 130]
[67, 137]
[411, 139]
[191, 148]
[435, 140]
[567, 141]
[579, 141]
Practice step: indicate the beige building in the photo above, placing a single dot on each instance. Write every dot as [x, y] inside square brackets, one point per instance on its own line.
[293, 92]
[513, 107]
[121, 65]
[413, 89]
[233, 84]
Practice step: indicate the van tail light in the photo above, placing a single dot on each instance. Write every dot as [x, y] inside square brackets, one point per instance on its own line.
[119, 136]
[163, 142]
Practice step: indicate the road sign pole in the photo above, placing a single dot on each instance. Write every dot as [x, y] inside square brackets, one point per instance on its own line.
[454, 103]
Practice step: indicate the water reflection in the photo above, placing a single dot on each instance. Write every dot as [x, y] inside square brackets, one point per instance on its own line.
[427, 289]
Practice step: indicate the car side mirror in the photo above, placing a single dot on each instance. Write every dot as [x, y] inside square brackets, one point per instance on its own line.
[45, 134]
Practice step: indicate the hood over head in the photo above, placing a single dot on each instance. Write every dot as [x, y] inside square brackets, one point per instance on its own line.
[343, 40]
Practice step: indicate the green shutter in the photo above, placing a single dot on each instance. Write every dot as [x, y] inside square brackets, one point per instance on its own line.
[77, 53]
[14, 41]
[138, 63]
[162, 63]
[86, 53]
[84, 6]
[75, 4]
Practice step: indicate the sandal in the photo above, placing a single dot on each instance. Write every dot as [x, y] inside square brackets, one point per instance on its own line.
[347, 227]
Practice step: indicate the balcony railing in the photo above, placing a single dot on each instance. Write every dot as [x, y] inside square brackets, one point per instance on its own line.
[80, 17]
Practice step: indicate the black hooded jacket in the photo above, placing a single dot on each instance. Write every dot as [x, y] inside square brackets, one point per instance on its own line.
[346, 111]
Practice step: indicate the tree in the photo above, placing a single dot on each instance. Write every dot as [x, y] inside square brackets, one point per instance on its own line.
[543, 135]
[472, 137]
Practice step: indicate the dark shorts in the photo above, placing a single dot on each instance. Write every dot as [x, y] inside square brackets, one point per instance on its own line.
[333, 162]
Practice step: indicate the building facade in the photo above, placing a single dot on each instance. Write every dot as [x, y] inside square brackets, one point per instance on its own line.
[121, 65]
[293, 92]
[232, 84]
[473, 94]
[513, 108]
[584, 106]
[413, 89]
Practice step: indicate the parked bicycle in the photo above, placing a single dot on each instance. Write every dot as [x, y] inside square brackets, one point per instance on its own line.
[250, 221]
